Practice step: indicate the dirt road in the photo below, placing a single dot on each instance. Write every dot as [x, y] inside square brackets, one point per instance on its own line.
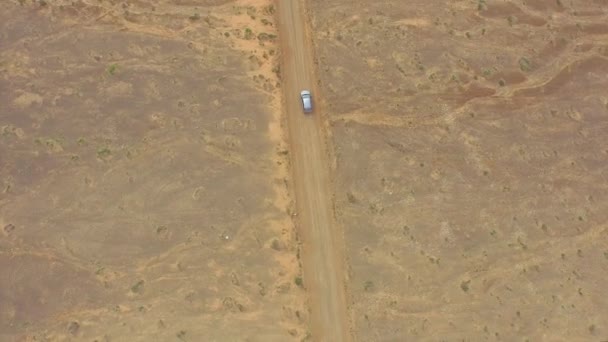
[323, 271]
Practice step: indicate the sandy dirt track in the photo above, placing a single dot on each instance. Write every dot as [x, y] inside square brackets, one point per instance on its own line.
[322, 262]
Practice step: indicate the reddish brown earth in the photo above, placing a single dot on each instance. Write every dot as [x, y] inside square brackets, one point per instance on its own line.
[451, 184]
[143, 174]
[471, 166]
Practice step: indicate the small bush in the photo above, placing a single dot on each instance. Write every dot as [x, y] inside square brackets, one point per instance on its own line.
[112, 69]
[465, 285]
[138, 287]
[351, 198]
[269, 9]
[266, 36]
[276, 245]
[277, 71]
[104, 152]
[248, 34]
[524, 64]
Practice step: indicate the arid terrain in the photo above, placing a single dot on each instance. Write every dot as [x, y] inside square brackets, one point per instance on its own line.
[470, 166]
[158, 181]
[144, 174]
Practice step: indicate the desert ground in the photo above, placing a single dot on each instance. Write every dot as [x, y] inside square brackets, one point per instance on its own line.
[144, 174]
[159, 182]
[470, 166]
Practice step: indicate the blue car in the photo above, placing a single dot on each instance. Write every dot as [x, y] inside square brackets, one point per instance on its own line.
[306, 101]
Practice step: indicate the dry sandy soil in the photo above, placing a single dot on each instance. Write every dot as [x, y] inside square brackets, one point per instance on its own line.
[143, 172]
[471, 165]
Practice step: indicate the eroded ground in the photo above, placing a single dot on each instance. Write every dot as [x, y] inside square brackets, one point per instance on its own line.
[471, 166]
[143, 174]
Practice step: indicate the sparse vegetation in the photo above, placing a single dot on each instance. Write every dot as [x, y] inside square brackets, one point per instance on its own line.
[112, 69]
[400, 69]
[9, 228]
[376, 208]
[415, 128]
[351, 198]
[277, 71]
[232, 305]
[464, 286]
[248, 34]
[73, 327]
[161, 230]
[298, 281]
[138, 287]
[269, 10]
[266, 36]
[104, 152]
[276, 245]
[524, 64]
[522, 244]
